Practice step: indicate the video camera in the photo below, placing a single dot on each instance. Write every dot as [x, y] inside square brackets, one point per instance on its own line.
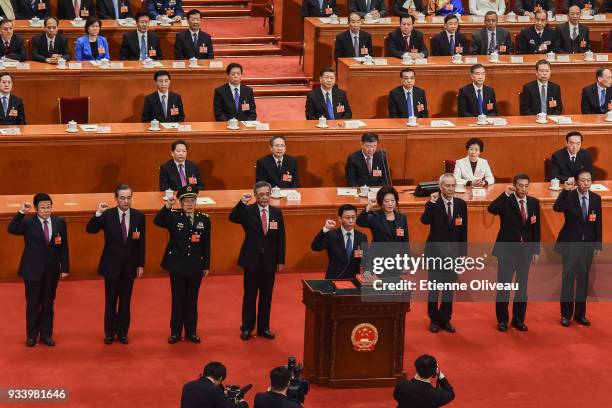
[235, 393]
[298, 385]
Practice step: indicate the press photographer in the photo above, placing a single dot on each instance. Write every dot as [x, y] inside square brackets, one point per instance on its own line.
[276, 396]
[418, 392]
[208, 390]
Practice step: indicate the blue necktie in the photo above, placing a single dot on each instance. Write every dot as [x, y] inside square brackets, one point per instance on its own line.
[452, 44]
[409, 103]
[585, 210]
[602, 101]
[236, 98]
[349, 246]
[479, 101]
[116, 7]
[330, 108]
[321, 6]
[143, 47]
[368, 5]
[5, 104]
[33, 2]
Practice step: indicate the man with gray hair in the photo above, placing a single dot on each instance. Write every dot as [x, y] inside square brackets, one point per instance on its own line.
[261, 255]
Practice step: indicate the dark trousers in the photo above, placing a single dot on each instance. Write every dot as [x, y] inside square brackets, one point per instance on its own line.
[440, 302]
[259, 280]
[117, 298]
[40, 296]
[185, 291]
[507, 268]
[576, 266]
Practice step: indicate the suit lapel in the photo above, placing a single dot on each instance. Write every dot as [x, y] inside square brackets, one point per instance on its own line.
[338, 236]
[383, 220]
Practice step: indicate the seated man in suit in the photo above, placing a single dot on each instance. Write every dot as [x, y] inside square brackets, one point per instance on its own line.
[12, 45]
[50, 46]
[407, 100]
[375, 8]
[278, 169]
[567, 162]
[234, 100]
[450, 41]
[163, 105]
[406, 39]
[530, 7]
[193, 42]
[179, 171]
[418, 392]
[141, 43]
[172, 9]
[589, 6]
[404, 8]
[26, 9]
[537, 39]
[445, 7]
[367, 167]
[66, 9]
[113, 9]
[276, 396]
[316, 8]
[476, 98]
[208, 391]
[597, 98]
[572, 37]
[12, 112]
[541, 95]
[328, 101]
[344, 245]
[353, 42]
[491, 39]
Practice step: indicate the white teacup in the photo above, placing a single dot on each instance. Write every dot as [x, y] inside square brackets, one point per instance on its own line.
[494, 57]
[420, 17]
[407, 58]
[589, 56]
[363, 191]
[104, 62]
[482, 119]
[368, 18]
[322, 121]
[412, 121]
[276, 192]
[550, 56]
[549, 15]
[72, 126]
[542, 117]
[368, 60]
[193, 62]
[233, 123]
[148, 62]
[61, 63]
[457, 58]
[554, 184]
[155, 124]
[609, 115]
[460, 188]
[169, 194]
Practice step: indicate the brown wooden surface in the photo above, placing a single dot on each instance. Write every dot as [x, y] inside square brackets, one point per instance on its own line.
[319, 38]
[441, 80]
[47, 158]
[302, 220]
[288, 20]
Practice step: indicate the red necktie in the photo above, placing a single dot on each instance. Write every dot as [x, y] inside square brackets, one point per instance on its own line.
[123, 228]
[46, 231]
[523, 212]
[406, 45]
[449, 213]
[369, 163]
[264, 221]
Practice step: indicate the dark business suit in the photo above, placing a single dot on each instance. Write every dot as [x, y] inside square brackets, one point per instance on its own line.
[310, 8]
[361, 7]
[400, 11]
[271, 399]
[580, 3]
[267, 169]
[260, 256]
[521, 6]
[528, 41]
[316, 107]
[440, 44]
[467, 104]
[203, 393]
[577, 240]
[356, 170]
[418, 394]
[65, 9]
[562, 167]
[40, 47]
[153, 109]
[24, 11]
[398, 103]
[224, 104]
[564, 43]
[184, 48]
[382, 230]
[130, 47]
[340, 265]
[106, 9]
[589, 102]
[396, 45]
[530, 99]
[16, 49]
[169, 177]
[118, 264]
[344, 45]
[480, 42]
[447, 238]
[40, 267]
[516, 243]
[15, 114]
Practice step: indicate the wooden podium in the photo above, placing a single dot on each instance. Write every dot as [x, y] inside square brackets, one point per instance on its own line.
[352, 339]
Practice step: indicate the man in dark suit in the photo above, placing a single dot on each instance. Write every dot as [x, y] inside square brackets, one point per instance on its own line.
[207, 391]
[588, 5]
[447, 218]
[517, 245]
[278, 169]
[187, 259]
[163, 105]
[530, 7]
[141, 43]
[122, 259]
[597, 98]
[234, 100]
[476, 98]
[193, 42]
[353, 42]
[450, 41]
[328, 101]
[368, 166]
[318, 8]
[11, 46]
[172, 9]
[276, 396]
[66, 9]
[179, 172]
[403, 8]
[344, 245]
[579, 240]
[541, 95]
[108, 10]
[572, 37]
[567, 162]
[262, 254]
[418, 392]
[537, 39]
[406, 39]
[407, 100]
[50, 46]
[12, 111]
[43, 262]
[25, 9]
[491, 39]
[375, 8]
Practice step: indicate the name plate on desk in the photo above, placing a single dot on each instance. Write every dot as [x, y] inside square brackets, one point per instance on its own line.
[471, 60]
[599, 17]
[23, 65]
[75, 65]
[178, 64]
[601, 57]
[479, 192]
[563, 58]
[523, 19]
[104, 129]
[421, 61]
[438, 20]
[216, 64]
[353, 124]
[380, 61]
[184, 128]
[262, 126]
[477, 19]
[10, 131]
[116, 65]
[561, 18]
[384, 20]
[516, 60]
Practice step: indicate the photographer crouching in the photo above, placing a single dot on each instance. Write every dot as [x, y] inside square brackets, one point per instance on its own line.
[208, 390]
[276, 396]
[418, 392]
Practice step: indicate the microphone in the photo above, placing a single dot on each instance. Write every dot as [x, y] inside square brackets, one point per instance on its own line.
[385, 163]
[243, 391]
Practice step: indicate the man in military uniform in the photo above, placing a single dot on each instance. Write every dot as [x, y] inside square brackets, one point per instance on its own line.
[173, 9]
[187, 259]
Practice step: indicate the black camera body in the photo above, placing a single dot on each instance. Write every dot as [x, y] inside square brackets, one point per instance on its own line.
[235, 393]
[298, 385]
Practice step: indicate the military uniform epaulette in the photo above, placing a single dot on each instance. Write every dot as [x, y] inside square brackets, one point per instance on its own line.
[203, 213]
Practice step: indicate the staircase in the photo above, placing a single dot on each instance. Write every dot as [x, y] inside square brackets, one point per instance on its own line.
[246, 46]
[219, 8]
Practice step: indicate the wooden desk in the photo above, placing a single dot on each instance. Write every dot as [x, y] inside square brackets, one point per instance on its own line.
[302, 219]
[117, 95]
[319, 38]
[47, 158]
[442, 80]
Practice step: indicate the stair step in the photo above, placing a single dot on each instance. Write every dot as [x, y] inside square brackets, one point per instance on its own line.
[270, 39]
[225, 11]
[281, 90]
[247, 50]
[292, 80]
[208, 3]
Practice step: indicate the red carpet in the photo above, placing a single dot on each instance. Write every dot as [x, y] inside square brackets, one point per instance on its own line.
[550, 366]
[235, 27]
[280, 108]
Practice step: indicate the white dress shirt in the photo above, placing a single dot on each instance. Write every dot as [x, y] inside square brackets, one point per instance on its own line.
[42, 220]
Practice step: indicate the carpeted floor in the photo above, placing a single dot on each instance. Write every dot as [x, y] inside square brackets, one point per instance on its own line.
[280, 108]
[228, 27]
[550, 366]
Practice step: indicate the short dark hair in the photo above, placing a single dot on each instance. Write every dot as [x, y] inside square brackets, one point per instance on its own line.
[273, 138]
[3, 21]
[570, 134]
[178, 142]
[38, 197]
[380, 195]
[410, 16]
[161, 72]
[475, 141]
[346, 207]
[215, 370]
[426, 366]
[450, 17]
[327, 69]
[542, 62]
[475, 67]
[600, 72]
[141, 13]
[582, 171]
[488, 13]
[407, 70]
[4, 73]
[261, 184]
[193, 12]
[231, 66]
[91, 20]
[519, 176]
[120, 187]
[279, 378]
[540, 11]
[369, 137]
[50, 18]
